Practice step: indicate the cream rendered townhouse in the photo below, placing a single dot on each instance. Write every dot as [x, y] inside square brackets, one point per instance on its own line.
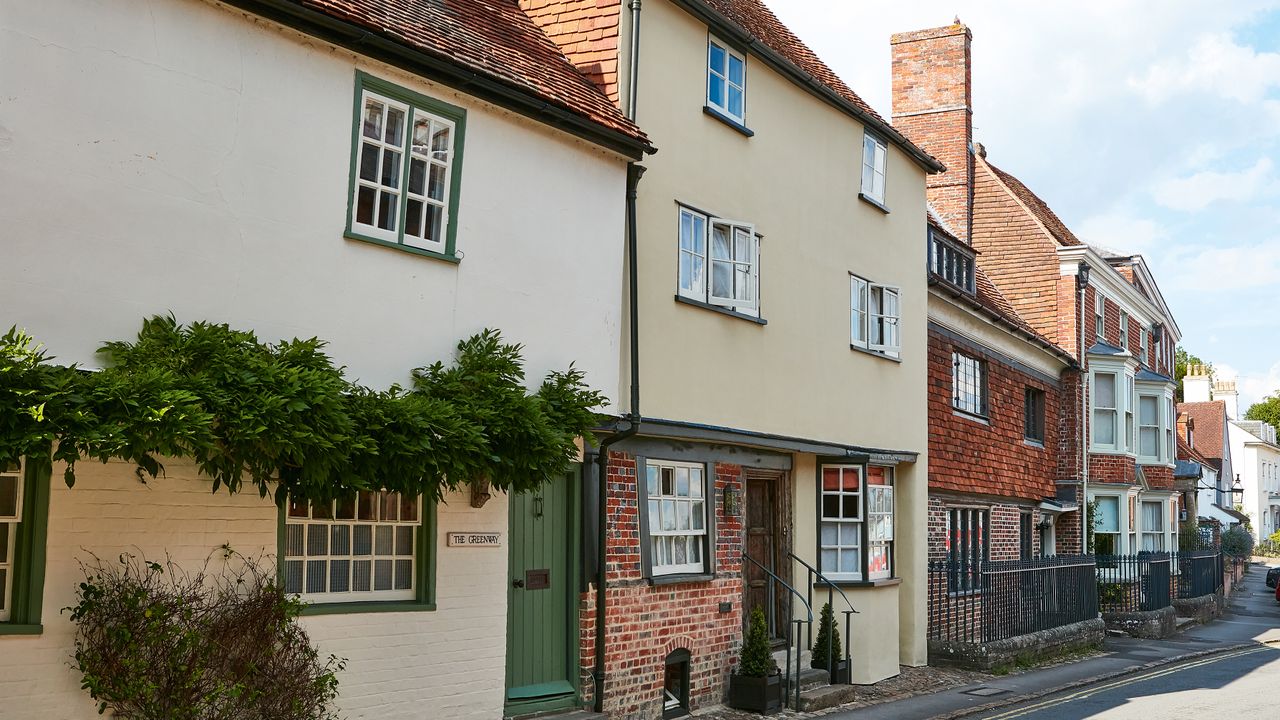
[389, 176]
[780, 430]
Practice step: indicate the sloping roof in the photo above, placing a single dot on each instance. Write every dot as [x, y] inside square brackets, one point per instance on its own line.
[1188, 453]
[492, 38]
[1210, 420]
[1039, 208]
[759, 22]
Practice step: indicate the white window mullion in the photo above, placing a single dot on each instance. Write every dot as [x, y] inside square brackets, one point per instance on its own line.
[11, 487]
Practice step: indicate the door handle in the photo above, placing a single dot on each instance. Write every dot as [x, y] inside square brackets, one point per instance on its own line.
[517, 583]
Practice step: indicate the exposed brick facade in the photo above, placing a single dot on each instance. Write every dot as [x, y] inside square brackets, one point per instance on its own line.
[645, 622]
[1003, 528]
[587, 32]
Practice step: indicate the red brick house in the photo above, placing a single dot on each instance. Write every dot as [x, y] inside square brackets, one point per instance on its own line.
[1100, 309]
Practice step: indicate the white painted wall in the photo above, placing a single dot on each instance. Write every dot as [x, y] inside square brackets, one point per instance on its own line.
[1257, 461]
[176, 156]
[179, 156]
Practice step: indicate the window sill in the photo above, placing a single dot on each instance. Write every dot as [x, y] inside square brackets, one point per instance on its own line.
[721, 310]
[20, 629]
[455, 259]
[677, 578]
[370, 606]
[882, 582]
[874, 203]
[873, 353]
[1037, 444]
[970, 416]
[712, 112]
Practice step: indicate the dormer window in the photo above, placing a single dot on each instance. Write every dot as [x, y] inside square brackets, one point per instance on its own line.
[726, 81]
[951, 262]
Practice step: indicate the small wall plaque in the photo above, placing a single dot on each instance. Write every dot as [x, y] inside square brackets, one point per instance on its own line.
[474, 539]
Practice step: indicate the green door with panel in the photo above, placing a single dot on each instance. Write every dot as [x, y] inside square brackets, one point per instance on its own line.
[542, 591]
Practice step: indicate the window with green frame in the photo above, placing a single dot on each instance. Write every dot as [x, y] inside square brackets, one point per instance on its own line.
[367, 551]
[406, 168]
[24, 523]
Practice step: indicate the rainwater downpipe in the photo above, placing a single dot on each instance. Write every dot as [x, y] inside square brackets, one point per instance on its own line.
[633, 67]
[1083, 283]
[634, 173]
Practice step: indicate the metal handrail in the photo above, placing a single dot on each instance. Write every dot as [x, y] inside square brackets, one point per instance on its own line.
[815, 572]
[808, 609]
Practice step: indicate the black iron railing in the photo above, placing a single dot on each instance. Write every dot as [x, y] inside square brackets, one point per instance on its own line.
[830, 662]
[993, 601]
[1199, 572]
[1134, 583]
[795, 636]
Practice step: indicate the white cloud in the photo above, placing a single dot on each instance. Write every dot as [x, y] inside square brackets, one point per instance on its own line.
[1215, 64]
[1198, 191]
[1252, 386]
[1225, 269]
[1121, 232]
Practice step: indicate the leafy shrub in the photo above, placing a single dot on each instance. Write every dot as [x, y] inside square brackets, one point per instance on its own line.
[154, 641]
[1237, 542]
[757, 660]
[1110, 594]
[828, 635]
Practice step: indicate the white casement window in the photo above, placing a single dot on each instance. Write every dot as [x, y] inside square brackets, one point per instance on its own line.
[10, 514]
[1170, 423]
[361, 547]
[969, 384]
[1100, 316]
[875, 316]
[1153, 526]
[1105, 406]
[1150, 435]
[404, 166]
[841, 522]
[1124, 330]
[719, 262]
[1106, 526]
[677, 516]
[879, 522]
[874, 157]
[1143, 334]
[967, 548]
[1130, 427]
[726, 80]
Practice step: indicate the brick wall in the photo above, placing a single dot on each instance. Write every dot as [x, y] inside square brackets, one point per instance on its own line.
[1112, 469]
[647, 622]
[587, 33]
[968, 455]
[1002, 529]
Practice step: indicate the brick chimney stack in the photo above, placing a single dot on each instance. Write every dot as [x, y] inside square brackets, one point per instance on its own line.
[932, 105]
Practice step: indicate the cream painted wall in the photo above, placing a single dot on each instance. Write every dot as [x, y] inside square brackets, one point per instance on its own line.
[452, 658]
[797, 179]
[179, 156]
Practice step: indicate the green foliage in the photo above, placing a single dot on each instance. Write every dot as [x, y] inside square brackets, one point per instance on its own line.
[1237, 542]
[828, 634]
[1110, 594]
[1190, 538]
[757, 660]
[153, 641]
[1091, 524]
[1181, 361]
[245, 411]
[1268, 411]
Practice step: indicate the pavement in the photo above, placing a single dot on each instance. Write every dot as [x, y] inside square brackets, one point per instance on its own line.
[1140, 679]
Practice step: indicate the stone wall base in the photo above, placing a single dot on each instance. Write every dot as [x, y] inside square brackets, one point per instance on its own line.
[1204, 608]
[1150, 624]
[1021, 650]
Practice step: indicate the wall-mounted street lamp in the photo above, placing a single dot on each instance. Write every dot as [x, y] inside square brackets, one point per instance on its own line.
[1082, 275]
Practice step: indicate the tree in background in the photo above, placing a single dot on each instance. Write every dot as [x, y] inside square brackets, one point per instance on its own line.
[1268, 411]
[1181, 361]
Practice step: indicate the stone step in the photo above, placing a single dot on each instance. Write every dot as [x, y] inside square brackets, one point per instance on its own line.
[560, 715]
[811, 678]
[826, 696]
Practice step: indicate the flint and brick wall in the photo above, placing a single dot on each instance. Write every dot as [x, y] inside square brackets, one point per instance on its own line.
[647, 622]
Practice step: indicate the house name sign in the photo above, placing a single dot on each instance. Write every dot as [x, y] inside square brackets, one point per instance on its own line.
[474, 539]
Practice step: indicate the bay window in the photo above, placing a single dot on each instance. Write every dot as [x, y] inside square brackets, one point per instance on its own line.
[676, 517]
[719, 262]
[856, 512]
[1153, 526]
[1106, 525]
[1104, 409]
[1156, 420]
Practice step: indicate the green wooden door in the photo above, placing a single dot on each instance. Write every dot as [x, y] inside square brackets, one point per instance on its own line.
[542, 630]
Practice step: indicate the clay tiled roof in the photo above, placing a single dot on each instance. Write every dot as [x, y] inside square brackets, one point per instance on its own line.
[1210, 420]
[1186, 452]
[1038, 207]
[493, 38]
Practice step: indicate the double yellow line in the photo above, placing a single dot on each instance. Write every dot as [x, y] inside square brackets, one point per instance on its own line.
[1143, 677]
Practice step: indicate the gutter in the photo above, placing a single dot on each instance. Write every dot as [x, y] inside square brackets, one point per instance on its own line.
[634, 173]
[443, 70]
[730, 30]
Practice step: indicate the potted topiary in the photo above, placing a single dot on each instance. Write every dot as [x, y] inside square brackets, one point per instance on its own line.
[829, 637]
[757, 685]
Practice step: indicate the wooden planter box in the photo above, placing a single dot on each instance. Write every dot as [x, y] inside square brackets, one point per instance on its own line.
[757, 694]
[840, 675]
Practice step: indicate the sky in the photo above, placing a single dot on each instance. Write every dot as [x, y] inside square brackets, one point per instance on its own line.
[1150, 128]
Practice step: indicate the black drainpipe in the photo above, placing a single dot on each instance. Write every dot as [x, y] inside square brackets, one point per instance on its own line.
[634, 172]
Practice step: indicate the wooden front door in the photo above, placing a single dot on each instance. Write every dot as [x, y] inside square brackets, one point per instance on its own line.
[763, 544]
[542, 632]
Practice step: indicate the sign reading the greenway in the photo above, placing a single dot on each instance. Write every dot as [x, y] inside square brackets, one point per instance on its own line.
[474, 539]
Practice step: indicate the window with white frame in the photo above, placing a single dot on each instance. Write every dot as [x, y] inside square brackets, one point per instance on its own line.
[356, 548]
[969, 384]
[726, 80]
[1143, 334]
[11, 486]
[676, 503]
[1124, 330]
[1149, 432]
[966, 548]
[879, 522]
[875, 316]
[840, 540]
[874, 158]
[719, 262]
[1106, 525]
[1153, 527]
[406, 154]
[1105, 407]
[1099, 316]
[1130, 427]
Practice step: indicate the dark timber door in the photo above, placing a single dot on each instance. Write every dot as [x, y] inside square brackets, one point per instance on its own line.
[762, 524]
[541, 619]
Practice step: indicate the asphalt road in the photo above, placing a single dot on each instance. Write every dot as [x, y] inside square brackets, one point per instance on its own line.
[1240, 684]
